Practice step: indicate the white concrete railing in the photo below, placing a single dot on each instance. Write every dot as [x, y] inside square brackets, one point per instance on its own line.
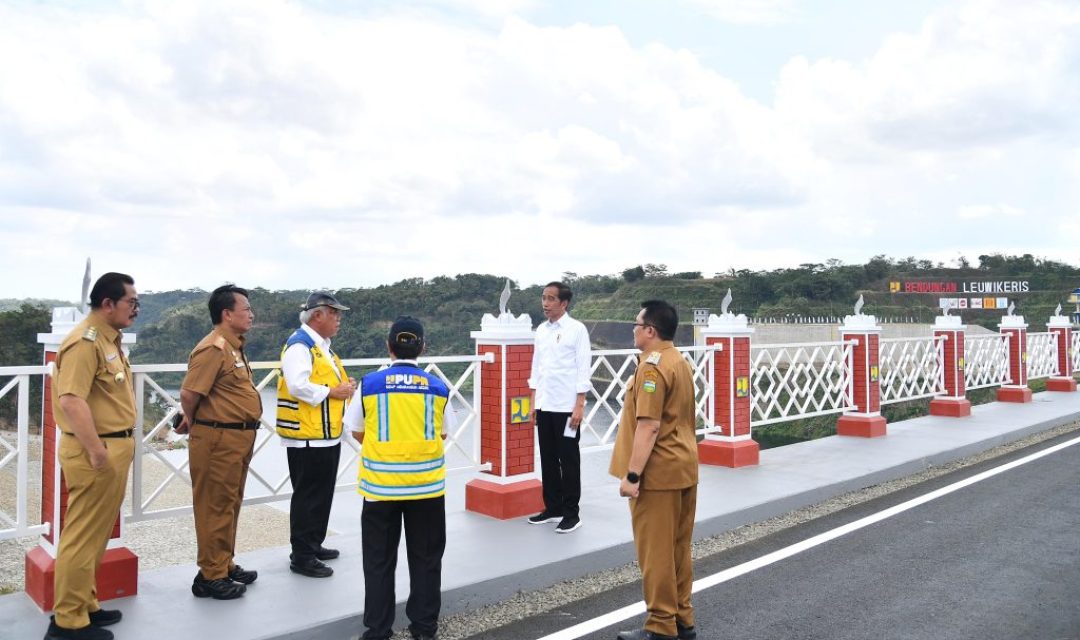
[268, 475]
[1042, 351]
[1075, 351]
[911, 368]
[612, 370]
[790, 381]
[15, 519]
[987, 361]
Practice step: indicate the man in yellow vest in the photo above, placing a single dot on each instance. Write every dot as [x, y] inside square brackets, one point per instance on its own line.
[401, 419]
[312, 392]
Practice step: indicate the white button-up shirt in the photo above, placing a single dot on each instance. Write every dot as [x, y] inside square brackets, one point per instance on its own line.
[296, 369]
[560, 364]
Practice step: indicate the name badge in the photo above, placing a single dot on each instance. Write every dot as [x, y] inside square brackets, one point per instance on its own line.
[238, 364]
[111, 356]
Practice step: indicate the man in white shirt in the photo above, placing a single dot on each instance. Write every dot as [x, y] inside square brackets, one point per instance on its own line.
[560, 379]
[312, 393]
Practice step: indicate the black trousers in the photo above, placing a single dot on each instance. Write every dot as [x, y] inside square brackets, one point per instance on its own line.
[560, 464]
[425, 541]
[312, 471]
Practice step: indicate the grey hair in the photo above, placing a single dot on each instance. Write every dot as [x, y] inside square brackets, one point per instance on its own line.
[306, 314]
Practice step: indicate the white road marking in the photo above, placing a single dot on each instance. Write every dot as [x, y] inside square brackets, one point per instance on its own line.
[638, 608]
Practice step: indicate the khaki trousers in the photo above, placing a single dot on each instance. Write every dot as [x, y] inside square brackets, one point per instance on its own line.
[218, 460]
[94, 500]
[663, 524]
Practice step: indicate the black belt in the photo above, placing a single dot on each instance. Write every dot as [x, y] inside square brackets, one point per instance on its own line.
[229, 425]
[117, 434]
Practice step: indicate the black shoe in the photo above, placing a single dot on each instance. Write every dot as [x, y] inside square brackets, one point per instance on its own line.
[544, 517]
[685, 632]
[642, 634]
[568, 524]
[242, 575]
[420, 635]
[105, 617]
[89, 632]
[312, 568]
[220, 589]
[322, 553]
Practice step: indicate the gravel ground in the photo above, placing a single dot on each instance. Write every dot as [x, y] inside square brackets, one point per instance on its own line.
[158, 543]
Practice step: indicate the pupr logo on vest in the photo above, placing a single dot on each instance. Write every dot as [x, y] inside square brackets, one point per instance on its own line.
[405, 380]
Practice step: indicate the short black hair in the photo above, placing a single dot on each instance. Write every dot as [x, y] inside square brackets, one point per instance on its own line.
[661, 316]
[564, 291]
[222, 298]
[110, 286]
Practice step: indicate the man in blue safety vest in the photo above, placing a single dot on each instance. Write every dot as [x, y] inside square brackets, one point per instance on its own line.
[401, 418]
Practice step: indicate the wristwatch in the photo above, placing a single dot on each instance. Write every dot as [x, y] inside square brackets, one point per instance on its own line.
[633, 478]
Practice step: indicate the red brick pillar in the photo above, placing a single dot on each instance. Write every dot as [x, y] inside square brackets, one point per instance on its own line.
[1017, 390]
[866, 421]
[733, 446]
[954, 404]
[118, 575]
[510, 489]
[1061, 327]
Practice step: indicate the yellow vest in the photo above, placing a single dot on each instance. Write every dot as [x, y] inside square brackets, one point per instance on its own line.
[402, 457]
[298, 420]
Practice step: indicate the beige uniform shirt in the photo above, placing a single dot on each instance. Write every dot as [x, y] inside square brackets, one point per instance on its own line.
[91, 365]
[662, 389]
[219, 371]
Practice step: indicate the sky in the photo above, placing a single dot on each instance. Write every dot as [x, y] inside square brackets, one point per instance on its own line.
[351, 143]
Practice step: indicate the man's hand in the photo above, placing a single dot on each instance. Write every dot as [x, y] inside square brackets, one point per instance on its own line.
[576, 416]
[184, 426]
[628, 489]
[99, 456]
[343, 391]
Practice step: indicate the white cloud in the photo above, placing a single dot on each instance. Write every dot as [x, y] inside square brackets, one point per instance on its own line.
[747, 11]
[290, 131]
[979, 211]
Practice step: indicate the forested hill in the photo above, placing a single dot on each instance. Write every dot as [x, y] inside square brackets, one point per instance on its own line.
[171, 322]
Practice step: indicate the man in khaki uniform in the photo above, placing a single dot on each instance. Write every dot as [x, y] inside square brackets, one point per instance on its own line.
[94, 404]
[655, 458]
[221, 410]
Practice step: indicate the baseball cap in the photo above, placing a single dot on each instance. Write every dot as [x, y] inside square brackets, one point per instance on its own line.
[323, 299]
[406, 330]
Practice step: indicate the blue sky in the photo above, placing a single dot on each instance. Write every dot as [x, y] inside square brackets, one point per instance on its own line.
[313, 144]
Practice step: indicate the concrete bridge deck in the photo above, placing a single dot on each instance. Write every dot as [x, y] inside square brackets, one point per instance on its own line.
[488, 560]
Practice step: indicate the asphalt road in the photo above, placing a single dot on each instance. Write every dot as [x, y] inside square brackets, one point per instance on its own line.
[996, 560]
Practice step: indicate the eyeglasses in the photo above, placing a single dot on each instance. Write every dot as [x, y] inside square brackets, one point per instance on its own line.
[134, 302]
[643, 324]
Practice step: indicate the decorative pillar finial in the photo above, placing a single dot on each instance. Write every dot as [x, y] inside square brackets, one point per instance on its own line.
[859, 305]
[504, 298]
[84, 301]
[725, 303]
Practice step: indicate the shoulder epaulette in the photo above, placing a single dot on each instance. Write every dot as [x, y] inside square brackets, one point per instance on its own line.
[654, 358]
[90, 334]
[219, 342]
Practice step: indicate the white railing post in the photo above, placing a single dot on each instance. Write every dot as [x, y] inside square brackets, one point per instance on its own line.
[729, 376]
[510, 489]
[866, 421]
[1063, 381]
[954, 402]
[1016, 390]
